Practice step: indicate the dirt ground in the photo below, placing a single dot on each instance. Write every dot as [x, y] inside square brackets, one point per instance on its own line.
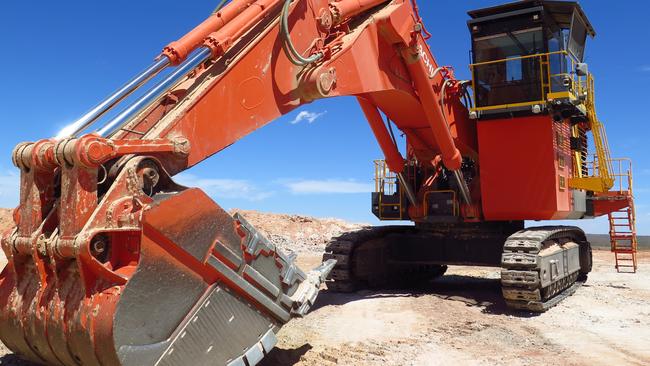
[458, 319]
[461, 319]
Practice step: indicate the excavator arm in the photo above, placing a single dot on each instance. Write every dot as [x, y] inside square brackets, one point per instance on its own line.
[112, 263]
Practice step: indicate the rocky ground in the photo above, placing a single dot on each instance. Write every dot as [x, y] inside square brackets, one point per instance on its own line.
[300, 234]
[6, 219]
[461, 319]
[457, 319]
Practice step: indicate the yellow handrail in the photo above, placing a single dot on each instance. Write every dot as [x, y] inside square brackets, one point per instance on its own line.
[601, 180]
[577, 83]
[386, 183]
[581, 92]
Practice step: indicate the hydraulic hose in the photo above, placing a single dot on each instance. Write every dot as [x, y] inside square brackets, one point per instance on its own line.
[390, 130]
[218, 8]
[290, 49]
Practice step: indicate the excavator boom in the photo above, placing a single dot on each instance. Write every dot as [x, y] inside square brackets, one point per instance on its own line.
[108, 265]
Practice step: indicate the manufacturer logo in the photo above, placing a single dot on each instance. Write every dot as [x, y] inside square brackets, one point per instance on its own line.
[424, 56]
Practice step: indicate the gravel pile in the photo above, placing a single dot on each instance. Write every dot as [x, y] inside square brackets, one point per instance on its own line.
[299, 234]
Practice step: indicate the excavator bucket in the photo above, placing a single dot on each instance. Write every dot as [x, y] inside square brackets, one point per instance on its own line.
[198, 287]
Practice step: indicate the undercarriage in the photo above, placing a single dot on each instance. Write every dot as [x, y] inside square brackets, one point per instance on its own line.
[539, 266]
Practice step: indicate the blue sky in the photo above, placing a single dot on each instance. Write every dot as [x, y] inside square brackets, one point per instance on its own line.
[60, 58]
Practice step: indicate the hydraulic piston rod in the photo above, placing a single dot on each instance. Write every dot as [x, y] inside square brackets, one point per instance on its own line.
[155, 92]
[462, 187]
[168, 57]
[100, 109]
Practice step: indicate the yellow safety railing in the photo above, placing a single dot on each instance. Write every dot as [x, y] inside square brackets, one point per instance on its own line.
[580, 91]
[620, 173]
[386, 182]
[575, 92]
[601, 179]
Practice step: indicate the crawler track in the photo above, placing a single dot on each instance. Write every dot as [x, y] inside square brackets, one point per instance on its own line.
[542, 266]
[363, 261]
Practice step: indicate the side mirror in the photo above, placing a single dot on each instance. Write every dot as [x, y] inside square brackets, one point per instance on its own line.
[582, 69]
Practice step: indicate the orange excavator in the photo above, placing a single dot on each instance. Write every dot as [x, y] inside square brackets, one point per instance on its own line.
[113, 263]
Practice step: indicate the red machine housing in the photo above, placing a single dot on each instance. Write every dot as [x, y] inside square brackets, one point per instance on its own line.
[522, 174]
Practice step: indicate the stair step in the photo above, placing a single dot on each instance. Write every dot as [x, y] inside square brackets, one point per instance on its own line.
[622, 232]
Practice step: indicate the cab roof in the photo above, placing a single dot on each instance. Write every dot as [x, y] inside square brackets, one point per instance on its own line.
[561, 11]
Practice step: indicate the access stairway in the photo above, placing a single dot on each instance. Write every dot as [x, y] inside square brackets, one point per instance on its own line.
[610, 180]
[623, 238]
[619, 202]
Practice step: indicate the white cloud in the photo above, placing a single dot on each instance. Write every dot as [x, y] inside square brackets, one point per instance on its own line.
[328, 186]
[308, 116]
[224, 188]
[9, 189]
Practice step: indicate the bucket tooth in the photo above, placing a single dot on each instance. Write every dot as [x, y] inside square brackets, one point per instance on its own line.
[305, 297]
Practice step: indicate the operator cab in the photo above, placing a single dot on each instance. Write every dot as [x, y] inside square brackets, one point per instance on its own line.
[527, 58]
